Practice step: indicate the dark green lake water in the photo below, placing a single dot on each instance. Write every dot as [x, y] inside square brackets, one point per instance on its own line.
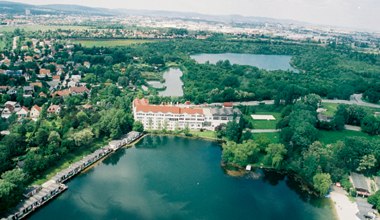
[178, 178]
[268, 62]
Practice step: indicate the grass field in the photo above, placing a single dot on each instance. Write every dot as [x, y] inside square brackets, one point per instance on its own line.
[273, 137]
[204, 134]
[265, 124]
[41, 28]
[110, 43]
[329, 137]
[331, 109]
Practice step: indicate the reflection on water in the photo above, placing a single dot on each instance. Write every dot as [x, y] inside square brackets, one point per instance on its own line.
[176, 178]
[173, 83]
[268, 62]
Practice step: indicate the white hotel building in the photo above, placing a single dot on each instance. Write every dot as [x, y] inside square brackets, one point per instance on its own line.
[171, 117]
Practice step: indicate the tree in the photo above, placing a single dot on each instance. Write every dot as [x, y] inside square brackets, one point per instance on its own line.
[82, 118]
[233, 131]
[240, 154]
[275, 154]
[375, 200]
[366, 163]
[371, 125]
[83, 137]
[138, 126]
[322, 183]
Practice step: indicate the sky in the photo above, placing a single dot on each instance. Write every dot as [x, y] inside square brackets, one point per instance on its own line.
[360, 14]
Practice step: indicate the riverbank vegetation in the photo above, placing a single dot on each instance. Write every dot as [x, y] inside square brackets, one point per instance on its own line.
[318, 157]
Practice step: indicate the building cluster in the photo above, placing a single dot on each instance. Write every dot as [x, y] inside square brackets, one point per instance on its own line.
[178, 117]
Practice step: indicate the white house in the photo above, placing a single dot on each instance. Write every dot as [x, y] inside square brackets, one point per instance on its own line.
[35, 112]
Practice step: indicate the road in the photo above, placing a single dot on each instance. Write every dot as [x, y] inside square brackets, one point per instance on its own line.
[352, 128]
[356, 99]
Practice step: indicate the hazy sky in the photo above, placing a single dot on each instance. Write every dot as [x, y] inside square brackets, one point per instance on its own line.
[350, 13]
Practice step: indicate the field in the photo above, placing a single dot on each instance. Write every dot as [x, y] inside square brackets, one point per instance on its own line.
[262, 110]
[331, 109]
[41, 28]
[273, 137]
[204, 134]
[329, 137]
[265, 124]
[110, 43]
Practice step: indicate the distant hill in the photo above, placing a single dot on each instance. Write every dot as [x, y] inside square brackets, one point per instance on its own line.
[14, 8]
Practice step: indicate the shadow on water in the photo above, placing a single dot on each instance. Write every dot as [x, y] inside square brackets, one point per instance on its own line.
[115, 158]
[274, 178]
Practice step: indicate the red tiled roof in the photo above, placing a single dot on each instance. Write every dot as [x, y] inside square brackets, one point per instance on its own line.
[65, 92]
[38, 108]
[44, 71]
[228, 104]
[81, 89]
[142, 105]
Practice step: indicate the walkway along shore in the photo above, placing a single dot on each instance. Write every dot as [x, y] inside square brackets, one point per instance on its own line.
[55, 186]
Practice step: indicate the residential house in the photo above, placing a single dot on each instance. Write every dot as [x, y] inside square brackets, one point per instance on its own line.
[10, 108]
[38, 84]
[42, 95]
[54, 109]
[28, 91]
[12, 91]
[56, 78]
[44, 72]
[35, 112]
[4, 89]
[79, 90]
[22, 113]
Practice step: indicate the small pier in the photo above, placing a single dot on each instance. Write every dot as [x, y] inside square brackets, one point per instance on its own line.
[53, 187]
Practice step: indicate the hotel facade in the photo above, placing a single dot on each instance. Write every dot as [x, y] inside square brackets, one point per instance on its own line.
[172, 117]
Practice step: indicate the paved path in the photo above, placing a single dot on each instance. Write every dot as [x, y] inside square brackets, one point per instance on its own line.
[355, 99]
[352, 128]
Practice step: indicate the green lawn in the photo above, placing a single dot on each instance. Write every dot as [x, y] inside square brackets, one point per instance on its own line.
[204, 134]
[329, 137]
[42, 28]
[110, 43]
[331, 109]
[273, 137]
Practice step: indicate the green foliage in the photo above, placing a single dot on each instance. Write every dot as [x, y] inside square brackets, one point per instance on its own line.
[83, 137]
[322, 183]
[11, 187]
[275, 154]
[240, 154]
[375, 200]
[138, 126]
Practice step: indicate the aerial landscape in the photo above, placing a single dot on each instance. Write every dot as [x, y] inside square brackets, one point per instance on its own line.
[186, 110]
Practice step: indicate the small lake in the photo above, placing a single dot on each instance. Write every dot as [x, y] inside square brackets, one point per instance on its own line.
[173, 83]
[177, 178]
[268, 62]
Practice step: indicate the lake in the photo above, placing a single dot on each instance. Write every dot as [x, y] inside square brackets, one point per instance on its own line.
[173, 83]
[178, 178]
[268, 62]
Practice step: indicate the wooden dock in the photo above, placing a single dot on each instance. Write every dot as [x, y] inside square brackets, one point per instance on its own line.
[53, 187]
